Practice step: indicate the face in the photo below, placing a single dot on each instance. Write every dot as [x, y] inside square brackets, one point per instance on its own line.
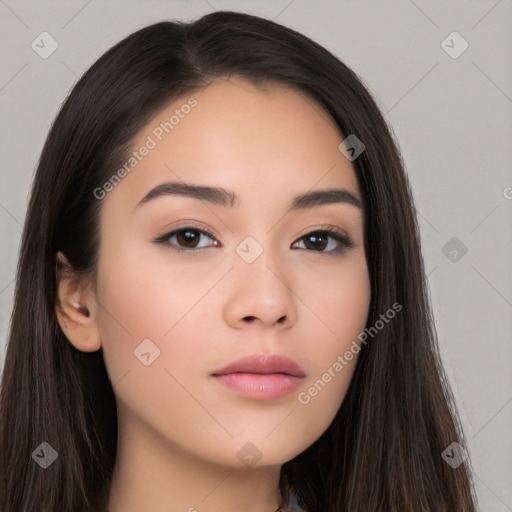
[189, 284]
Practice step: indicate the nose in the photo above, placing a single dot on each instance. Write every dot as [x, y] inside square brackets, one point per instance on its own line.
[261, 293]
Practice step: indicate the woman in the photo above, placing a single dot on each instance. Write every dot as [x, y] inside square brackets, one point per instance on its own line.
[221, 302]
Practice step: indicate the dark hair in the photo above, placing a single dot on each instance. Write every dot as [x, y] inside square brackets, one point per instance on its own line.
[383, 450]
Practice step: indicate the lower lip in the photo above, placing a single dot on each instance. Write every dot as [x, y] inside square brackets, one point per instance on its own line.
[269, 386]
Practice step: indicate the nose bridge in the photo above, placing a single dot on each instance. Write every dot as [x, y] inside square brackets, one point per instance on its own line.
[261, 288]
[261, 258]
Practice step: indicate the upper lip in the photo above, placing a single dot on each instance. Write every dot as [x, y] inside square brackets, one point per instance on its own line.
[263, 364]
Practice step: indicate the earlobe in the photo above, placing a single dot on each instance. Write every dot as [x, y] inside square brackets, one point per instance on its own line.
[74, 309]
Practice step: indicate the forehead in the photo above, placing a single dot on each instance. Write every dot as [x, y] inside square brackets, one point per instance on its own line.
[237, 135]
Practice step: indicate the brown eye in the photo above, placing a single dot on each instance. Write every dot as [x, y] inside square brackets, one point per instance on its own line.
[320, 240]
[187, 239]
[316, 241]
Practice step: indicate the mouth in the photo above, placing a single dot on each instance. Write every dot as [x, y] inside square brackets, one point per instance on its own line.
[261, 376]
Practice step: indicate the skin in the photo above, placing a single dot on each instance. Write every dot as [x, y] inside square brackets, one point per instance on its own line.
[180, 430]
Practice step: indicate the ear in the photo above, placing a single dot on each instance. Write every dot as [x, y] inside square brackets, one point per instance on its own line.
[75, 308]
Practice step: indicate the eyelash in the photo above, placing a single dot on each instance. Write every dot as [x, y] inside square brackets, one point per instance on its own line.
[342, 238]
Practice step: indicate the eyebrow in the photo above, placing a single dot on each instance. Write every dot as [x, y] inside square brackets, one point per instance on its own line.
[229, 199]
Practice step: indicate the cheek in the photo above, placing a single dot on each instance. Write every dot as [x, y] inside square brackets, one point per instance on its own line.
[339, 306]
[151, 306]
[151, 333]
[340, 315]
[138, 303]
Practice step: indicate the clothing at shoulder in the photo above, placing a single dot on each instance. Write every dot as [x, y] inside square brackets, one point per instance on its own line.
[292, 501]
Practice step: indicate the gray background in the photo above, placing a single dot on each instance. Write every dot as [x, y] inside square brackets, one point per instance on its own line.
[451, 117]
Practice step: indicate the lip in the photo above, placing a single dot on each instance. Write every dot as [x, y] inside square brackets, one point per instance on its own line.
[263, 364]
[261, 376]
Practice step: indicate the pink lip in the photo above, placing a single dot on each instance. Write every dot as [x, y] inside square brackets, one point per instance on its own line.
[261, 376]
[263, 364]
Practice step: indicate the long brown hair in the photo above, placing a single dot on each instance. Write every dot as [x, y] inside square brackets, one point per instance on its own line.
[383, 451]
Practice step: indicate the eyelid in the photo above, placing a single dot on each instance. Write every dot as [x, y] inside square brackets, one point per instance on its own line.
[188, 224]
[330, 228]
